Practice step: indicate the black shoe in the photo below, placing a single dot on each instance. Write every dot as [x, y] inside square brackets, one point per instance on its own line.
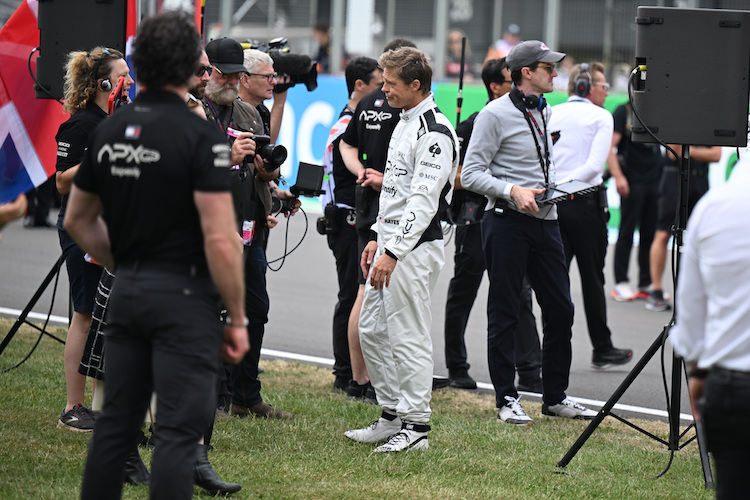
[206, 477]
[136, 472]
[259, 410]
[533, 385]
[341, 384]
[440, 382]
[614, 356]
[79, 419]
[363, 392]
[463, 381]
[46, 223]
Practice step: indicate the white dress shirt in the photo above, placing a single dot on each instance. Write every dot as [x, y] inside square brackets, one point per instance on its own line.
[713, 292]
[585, 139]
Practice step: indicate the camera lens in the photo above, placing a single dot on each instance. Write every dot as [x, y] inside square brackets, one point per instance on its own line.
[275, 154]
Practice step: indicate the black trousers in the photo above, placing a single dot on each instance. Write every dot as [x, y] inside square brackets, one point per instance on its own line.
[518, 245]
[468, 270]
[583, 227]
[163, 334]
[638, 209]
[725, 410]
[245, 384]
[343, 243]
[40, 201]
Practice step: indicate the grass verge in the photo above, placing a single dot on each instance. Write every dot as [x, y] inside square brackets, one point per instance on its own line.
[471, 456]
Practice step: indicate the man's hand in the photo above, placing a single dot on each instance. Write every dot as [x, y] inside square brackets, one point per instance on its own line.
[457, 181]
[367, 255]
[380, 277]
[236, 344]
[623, 188]
[241, 147]
[287, 195]
[263, 174]
[271, 221]
[695, 389]
[524, 198]
[373, 178]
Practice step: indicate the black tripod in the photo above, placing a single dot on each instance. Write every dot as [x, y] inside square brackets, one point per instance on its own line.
[678, 366]
[24, 314]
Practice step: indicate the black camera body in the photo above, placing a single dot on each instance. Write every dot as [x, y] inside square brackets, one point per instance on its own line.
[274, 154]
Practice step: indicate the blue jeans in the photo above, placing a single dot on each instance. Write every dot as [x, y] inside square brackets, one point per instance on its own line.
[518, 245]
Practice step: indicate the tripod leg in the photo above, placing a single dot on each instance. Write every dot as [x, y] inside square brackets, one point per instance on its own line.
[700, 435]
[37, 295]
[653, 349]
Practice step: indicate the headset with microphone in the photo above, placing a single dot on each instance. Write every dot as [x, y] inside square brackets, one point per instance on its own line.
[106, 85]
[582, 85]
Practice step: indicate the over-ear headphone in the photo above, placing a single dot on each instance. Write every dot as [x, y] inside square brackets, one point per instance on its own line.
[582, 85]
[529, 102]
[106, 85]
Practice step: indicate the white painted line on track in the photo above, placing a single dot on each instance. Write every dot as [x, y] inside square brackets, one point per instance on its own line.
[327, 362]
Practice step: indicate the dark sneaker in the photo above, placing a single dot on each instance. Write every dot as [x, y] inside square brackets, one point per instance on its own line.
[79, 419]
[340, 384]
[612, 357]
[440, 382]
[260, 410]
[568, 408]
[463, 381]
[363, 392]
[657, 302]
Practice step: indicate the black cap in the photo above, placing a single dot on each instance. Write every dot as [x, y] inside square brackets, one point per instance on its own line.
[227, 55]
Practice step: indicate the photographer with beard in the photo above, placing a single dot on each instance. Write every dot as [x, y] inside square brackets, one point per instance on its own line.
[252, 203]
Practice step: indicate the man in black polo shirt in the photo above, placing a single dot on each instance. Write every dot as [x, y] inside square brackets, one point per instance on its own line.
[176, 255]
[641, 164]
[364, 149]
[363, 75]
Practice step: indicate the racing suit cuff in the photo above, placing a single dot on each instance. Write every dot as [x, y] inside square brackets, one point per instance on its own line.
[391, 254]
[373, 236]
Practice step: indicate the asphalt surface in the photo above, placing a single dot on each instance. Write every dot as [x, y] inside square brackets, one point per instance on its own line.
[303, 294]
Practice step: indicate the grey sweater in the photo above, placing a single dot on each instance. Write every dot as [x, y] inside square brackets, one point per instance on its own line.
[502, 153]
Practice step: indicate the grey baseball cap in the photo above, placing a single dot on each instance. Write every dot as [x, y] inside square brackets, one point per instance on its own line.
[529, 52]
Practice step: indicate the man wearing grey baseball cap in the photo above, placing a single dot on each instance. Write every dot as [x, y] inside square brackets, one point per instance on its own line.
[509, 161]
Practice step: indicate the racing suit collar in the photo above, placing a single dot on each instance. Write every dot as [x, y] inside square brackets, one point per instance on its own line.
[427, 103]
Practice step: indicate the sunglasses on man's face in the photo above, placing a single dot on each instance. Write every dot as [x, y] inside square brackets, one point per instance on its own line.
[203, 70]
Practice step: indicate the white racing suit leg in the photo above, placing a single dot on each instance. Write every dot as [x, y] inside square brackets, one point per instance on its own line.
[394, 330]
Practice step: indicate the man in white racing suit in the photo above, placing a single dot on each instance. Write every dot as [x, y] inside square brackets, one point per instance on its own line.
[405, 255]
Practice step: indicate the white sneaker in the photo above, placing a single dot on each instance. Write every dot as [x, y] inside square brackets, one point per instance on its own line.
[569, 409]
[410, 437]
[512, 413]
[622, 292]
[377, 432]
